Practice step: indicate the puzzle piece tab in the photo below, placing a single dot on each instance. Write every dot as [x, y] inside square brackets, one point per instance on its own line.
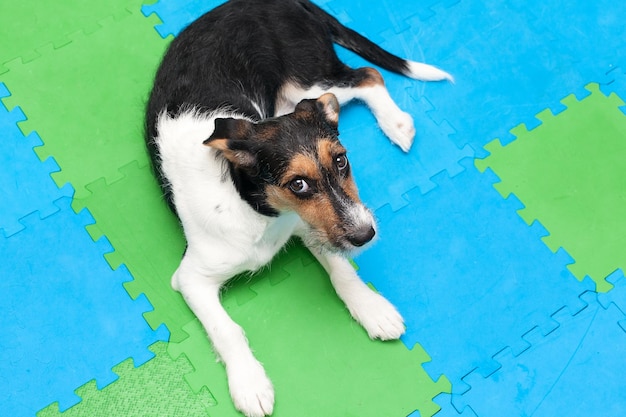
[155, 388]
[615, 82]
[569, 173]
[175, 15]
[469, 276]
[86, 100]
[576, 370]
[333, 368]
[616, 296]
[25, 181]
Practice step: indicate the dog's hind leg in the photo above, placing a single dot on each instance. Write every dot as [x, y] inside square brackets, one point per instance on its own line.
[364, 84]
[250, 388]
[375, 313]
[395, 123]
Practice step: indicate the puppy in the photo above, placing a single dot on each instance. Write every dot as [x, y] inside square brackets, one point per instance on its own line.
[241, 126]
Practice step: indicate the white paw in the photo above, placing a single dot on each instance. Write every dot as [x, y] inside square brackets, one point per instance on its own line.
[398, 126]
[378, 316]
[251, 390]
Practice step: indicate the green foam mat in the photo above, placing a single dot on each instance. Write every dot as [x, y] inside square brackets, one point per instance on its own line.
[29, 27]
[569, 174]
[321, 362]
[147, 238]
[156, 388]
[86, 100]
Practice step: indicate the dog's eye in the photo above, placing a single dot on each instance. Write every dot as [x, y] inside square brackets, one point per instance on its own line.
[299, 186]
[342, 162]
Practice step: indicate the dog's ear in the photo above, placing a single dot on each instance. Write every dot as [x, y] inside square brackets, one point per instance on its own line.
[229, 128]
[328, 105]
[231, 137]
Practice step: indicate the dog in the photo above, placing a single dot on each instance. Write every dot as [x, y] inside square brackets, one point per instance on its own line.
[242, 130]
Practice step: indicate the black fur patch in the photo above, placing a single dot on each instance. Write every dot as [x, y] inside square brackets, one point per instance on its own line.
[243, 52]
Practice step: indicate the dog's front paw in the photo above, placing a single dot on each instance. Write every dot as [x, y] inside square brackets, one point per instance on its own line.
[399, 128]
[251, 390]
[378, 317]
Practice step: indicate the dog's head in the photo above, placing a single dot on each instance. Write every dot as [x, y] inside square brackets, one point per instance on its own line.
[298, 164]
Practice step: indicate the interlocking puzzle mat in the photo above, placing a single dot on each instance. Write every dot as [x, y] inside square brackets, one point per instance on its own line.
[67, 318]
[50, 23]
[457, 255]
[482, 287]
[24, 180]
[136, 239]
[98, 92]
[337, 370]
[549, 378]
[569, 175]
[155, 388]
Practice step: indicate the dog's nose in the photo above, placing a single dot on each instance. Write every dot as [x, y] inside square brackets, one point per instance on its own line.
[362, 236]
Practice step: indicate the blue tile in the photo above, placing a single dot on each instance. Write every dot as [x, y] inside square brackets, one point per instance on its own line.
[577, 370]
[469, 276]
[25, 182]
[68, 319]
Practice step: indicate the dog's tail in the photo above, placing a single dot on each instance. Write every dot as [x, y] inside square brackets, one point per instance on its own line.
[362, 46]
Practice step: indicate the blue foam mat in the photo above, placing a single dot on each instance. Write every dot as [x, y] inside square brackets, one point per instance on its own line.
[509, 66]
[511, 60]
[68, 319]
[25, 182]
[469, 276]
[382, 170]
[577, 370]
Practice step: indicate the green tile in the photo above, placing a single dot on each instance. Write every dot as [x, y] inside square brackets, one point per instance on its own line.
[157, 388]
[28, 25]
[86, 100]
[569, 173]
[149, 240]
[320, 360]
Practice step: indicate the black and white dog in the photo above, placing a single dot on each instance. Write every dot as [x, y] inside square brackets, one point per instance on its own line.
[242, 129]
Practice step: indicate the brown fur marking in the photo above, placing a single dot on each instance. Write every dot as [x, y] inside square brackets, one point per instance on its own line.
[301, 166]
[219, 144]
[372, 78]
[317, 211]
[331, 107]
[327, 150]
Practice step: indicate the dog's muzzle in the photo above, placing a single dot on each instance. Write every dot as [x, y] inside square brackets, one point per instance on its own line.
[362, 236]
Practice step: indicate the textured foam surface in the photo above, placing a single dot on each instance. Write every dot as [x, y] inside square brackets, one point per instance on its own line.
[500, 304]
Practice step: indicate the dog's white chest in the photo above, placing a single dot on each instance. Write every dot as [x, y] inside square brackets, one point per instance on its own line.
[276, 233]
[234, 237]
[218, 223]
